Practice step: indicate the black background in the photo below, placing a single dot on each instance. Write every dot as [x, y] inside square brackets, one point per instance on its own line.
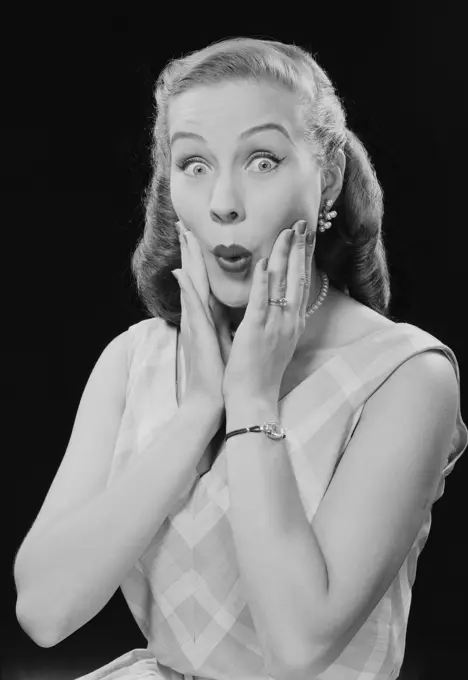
[76, 111]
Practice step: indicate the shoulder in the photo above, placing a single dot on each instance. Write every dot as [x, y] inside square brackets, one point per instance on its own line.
[111, 367]
[420, 395]
[148, 325]
[115, 351]
[429, 369]
[147, 336]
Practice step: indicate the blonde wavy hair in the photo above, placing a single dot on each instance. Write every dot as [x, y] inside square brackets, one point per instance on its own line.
[352, 252]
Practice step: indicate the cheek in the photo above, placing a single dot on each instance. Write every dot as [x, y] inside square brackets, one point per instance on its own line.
[285, 205]
[190, 202]
[187, 209]
[176, 193]
[299, 201]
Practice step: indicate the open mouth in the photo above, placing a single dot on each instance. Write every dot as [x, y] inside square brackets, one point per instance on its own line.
[234, 264]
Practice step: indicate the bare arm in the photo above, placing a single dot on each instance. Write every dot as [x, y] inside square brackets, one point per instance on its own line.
[68, 568]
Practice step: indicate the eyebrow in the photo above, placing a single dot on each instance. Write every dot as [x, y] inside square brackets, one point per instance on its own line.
[243, 135]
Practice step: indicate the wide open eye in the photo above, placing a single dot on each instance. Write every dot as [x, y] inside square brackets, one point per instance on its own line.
[197, 161]
[270, 157]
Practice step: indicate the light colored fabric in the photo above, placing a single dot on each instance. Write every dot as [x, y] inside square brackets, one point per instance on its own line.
[139, 664]
[185, 592]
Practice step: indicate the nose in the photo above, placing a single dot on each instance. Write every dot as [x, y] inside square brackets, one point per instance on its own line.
[226, 206]
[225, 216]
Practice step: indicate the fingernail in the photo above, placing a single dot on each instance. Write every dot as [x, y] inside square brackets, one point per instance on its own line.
[310, 237]
[302, 227]
[185, 237]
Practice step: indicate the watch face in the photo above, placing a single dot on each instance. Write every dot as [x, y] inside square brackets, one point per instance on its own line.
[274, 430]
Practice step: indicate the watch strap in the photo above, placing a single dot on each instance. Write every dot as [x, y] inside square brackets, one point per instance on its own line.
[272, 429]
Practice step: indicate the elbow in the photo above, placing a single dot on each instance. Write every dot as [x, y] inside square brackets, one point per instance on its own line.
[305, 664]
[292, 665]
[297, 670]
[39, 631]
[291, 672]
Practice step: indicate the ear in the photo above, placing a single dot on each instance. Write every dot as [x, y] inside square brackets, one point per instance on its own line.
[334, 176]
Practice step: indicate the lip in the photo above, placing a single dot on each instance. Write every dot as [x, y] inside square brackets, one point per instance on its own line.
[234, 266]
[233, 250]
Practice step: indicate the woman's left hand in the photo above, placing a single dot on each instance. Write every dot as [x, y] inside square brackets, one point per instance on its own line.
[267, 337]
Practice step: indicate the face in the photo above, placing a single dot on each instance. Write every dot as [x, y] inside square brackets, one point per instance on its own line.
[233, 187]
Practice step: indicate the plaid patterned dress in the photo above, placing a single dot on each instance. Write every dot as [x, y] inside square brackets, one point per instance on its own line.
[185, 592]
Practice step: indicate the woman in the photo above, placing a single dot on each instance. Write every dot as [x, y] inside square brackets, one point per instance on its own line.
[288, 550]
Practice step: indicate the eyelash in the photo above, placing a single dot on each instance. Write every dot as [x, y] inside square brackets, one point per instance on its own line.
[185, 162]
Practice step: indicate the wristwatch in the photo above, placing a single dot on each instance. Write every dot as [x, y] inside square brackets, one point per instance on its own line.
[272, 429]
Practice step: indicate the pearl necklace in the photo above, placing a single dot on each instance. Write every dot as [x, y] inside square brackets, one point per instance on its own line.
[320, 297]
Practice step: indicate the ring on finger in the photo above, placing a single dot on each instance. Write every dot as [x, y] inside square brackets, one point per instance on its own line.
[281, 300]
[278, 302]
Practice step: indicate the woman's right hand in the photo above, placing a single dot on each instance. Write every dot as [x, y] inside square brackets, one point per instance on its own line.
[205, 338]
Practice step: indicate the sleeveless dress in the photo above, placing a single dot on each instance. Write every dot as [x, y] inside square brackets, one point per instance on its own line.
[184, 591]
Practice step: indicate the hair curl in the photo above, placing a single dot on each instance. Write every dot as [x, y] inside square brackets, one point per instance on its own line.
[352, 252]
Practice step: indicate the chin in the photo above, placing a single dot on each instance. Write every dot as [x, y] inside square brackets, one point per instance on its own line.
[235, 304]
[230, 291]
[230, 299]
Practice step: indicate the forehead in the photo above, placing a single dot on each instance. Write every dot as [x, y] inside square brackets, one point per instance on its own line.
[234, 106]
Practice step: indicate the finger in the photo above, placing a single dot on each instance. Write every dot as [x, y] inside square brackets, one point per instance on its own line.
[217, 313]
[184, 326]
[257, 307]
[222, 327]
[309, 254]
[198, 270]
[187, 257]
[195, 310]
[195, 264]
[185, 316]
[184, 251]
[277, 265]
[296, 269]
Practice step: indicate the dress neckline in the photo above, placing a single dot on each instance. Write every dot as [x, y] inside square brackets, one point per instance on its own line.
[295, 391]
